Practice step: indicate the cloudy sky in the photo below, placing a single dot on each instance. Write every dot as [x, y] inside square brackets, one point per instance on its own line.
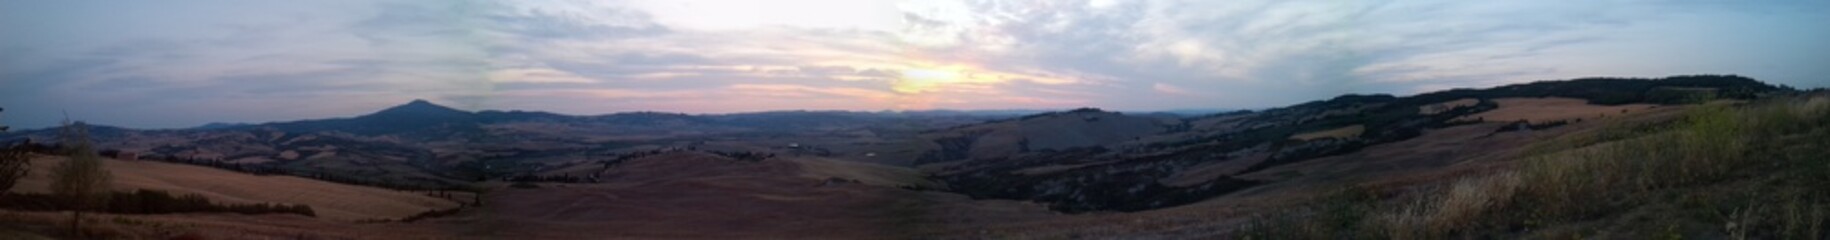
[159, 64]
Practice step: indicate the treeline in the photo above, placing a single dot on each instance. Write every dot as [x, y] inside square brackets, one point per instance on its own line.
[34, 147]
[255, 169]
[151, 202]
[432, 214]
[1616, 91]
[327, 176]
[618, 159]
[745, 156]
[1018, 118]
[1523, 125]
[641, 154]
[428, 214]
[268, 169]
[562, 178]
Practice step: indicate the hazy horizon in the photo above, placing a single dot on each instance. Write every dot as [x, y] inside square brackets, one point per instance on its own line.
[964, 111]
[183, 64]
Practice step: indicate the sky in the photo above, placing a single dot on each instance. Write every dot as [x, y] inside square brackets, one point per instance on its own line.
[169, 64]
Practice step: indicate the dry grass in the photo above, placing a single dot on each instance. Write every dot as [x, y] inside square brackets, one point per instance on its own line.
[1469, 198]
[329, 200]
[1538, 110]
[1712, 145]
[1724, 170]
[1461, 206]
[1411, 221]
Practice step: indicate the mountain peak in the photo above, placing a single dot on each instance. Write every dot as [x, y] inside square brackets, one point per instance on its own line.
[421, 107]
[422, 103]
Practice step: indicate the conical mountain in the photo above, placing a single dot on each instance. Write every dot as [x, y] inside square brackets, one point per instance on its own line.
[415, 116]
[418, 111]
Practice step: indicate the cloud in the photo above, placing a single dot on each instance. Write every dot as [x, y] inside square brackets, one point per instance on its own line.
[609, 94]
[797, 91]
[536, 75]
[1169, 89]
[167, 66]
[610, 23]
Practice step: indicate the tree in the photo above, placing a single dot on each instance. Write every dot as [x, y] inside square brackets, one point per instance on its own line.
[80, 181]
[14, 164]
[476, 193]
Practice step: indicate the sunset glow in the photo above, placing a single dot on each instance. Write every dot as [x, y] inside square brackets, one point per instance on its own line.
[642, 55]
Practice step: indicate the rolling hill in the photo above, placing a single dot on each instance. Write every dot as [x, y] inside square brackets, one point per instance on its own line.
[330, 200]
[1128, 173]
[1376, 165]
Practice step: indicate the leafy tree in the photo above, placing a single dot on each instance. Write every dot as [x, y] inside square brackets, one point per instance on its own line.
[80, 181]
[14, 164]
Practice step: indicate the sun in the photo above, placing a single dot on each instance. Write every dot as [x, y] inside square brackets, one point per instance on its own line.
[930, 75]
[918, 80]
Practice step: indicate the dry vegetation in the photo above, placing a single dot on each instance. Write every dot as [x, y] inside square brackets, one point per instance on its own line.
[1540, 110]
[1752, 171]
[329, 200]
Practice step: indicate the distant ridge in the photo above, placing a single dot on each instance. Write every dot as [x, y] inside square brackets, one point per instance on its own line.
[417, 116]
[422, 115]
[219, 125]
[1084, 160]
[422, 119]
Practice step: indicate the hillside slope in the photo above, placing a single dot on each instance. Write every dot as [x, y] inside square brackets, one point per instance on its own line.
[1055, 131]
[1722, 170]
[329, 200]
[1198, 158]
[685, 194]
